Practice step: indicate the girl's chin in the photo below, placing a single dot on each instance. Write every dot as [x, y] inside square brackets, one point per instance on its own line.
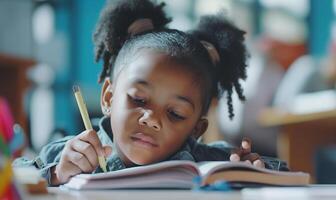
[142, 160]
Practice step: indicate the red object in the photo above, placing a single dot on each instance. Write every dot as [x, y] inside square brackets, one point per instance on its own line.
[6, 120]
[282, 53]
[10, 193]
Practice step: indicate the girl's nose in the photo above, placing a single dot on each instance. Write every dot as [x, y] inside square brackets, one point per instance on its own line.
[149, 119]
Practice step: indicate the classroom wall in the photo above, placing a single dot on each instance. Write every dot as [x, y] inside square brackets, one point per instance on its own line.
[75, 21]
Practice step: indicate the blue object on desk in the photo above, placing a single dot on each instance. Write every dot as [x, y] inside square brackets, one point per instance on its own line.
[222, 186]
[18, 139]
[325, 164]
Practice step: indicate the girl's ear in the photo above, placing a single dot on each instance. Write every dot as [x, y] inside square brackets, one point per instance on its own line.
[106, 97]
[200, 128]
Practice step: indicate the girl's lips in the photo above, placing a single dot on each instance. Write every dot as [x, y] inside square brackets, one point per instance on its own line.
[144, 139]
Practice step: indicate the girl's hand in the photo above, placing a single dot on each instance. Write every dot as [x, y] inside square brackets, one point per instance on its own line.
[244, 154]
[80, 154]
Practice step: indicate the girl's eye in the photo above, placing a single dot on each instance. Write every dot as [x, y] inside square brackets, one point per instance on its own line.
[176, 116]
[137, 101]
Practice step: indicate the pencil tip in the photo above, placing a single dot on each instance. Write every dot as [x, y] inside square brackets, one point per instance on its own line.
[75, 88]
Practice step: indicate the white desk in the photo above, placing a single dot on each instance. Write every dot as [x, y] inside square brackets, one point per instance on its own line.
[314, 192]
[58, 194]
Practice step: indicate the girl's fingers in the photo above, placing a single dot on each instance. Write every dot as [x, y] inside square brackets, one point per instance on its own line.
[107, 150]
[238, 151]
[234, 157]
[244, 154]
[246, 145]
[248, 162]
[80, 161]
[87, 150]
[242, 151]
[251, 157]
[64, 171]
[259, 163]
[91, 137]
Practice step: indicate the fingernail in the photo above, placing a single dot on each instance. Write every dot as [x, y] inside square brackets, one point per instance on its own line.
[245, 145]
[234, 158]
[107, 150]
[258, 163]
[247, 161]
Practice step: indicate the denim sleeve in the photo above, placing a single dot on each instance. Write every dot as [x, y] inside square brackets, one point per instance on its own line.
[48, 157]
[274, 163]
[216, 151]
[221, 151]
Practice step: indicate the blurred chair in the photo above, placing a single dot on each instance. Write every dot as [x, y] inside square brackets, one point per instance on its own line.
[282, 41]
[265, 73]
[304, 76]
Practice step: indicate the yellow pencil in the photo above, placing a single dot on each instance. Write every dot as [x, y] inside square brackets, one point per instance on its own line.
[86, 120]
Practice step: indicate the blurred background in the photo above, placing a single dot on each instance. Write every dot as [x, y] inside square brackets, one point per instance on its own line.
[290, 112]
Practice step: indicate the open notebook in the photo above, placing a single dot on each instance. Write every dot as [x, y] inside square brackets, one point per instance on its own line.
[180, 174]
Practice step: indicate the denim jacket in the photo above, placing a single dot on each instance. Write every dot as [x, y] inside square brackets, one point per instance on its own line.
[192, 150]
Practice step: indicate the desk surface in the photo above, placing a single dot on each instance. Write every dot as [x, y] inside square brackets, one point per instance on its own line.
[320, 192]
[274, 117]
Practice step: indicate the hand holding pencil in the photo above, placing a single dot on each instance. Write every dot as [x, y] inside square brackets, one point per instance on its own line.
[87, 123]
[80, 154]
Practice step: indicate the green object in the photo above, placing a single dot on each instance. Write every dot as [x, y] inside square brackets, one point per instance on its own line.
[3, 146]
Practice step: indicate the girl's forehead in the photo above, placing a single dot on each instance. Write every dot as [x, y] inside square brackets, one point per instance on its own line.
[159, 72]
[159, 66]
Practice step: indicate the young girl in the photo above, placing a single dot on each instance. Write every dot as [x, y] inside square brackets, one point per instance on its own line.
[157, 87]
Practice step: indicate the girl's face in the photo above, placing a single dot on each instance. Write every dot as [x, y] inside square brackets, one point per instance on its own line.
[155, 105]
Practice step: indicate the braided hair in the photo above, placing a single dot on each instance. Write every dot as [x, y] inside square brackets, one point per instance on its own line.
[115, 46]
